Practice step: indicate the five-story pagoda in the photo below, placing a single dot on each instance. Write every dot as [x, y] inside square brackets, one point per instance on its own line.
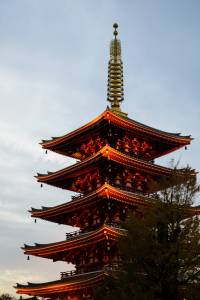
[115, 174]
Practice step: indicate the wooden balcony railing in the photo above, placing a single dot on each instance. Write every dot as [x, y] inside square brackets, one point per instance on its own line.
[68, 273]
[72, 234]
[108, 267]
[76, 197]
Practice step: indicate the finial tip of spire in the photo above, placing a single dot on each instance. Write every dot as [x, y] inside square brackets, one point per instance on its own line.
[115, 26]
[115, 93]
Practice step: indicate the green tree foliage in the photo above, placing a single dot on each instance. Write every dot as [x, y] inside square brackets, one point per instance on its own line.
[161, 252]
[7, 296]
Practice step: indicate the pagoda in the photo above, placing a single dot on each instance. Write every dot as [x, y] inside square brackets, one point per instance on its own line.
[115, 174]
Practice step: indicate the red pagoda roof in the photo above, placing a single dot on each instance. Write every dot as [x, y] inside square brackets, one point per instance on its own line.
[70, 284]
[55, 213]
[75, 242]
[108, 117]
[58, 178]
[104, 192]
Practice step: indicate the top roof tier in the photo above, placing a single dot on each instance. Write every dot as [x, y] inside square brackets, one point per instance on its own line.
[113, 127]
[110, 125]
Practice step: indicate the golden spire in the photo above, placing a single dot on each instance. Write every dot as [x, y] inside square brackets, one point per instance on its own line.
[115, 93]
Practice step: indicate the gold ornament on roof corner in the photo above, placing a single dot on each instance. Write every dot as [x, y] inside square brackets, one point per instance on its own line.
[115, 92]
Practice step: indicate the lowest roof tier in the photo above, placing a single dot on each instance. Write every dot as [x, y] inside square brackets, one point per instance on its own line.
[73, 284]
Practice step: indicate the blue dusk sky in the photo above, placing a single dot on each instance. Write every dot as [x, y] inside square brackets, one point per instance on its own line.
[53, 77]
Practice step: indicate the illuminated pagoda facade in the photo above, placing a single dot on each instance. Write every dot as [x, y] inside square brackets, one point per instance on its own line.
[115, 174]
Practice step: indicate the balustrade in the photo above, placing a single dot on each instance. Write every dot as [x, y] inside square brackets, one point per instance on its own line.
[108, 267]
[115, 225]
[68, 273]
[128, 189]
[72, 234]
[76, 197]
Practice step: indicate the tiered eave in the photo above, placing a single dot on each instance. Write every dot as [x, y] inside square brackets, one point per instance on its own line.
[78, 203]
[170, 141]
[106, 155]
[74, 242]
[67, 285]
